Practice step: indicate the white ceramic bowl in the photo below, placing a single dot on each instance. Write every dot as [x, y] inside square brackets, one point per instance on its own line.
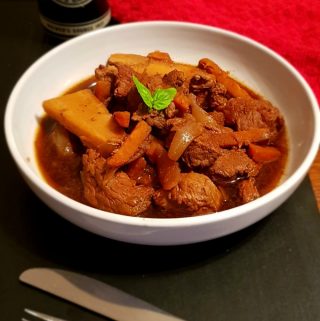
[251, 63]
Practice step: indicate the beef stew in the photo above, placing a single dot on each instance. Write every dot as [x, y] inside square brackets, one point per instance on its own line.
[146, 136]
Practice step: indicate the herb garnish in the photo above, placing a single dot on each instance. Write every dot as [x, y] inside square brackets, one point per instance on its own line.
[160, 99]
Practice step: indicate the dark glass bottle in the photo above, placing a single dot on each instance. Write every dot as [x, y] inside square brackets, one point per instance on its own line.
[69, 18]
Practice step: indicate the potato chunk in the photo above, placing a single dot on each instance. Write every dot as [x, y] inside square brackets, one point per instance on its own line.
[152, 66]
[84, 115]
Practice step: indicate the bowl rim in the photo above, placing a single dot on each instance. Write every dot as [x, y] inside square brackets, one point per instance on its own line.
[283, 189]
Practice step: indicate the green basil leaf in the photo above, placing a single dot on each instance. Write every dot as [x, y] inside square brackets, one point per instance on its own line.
[163, 97]
[144, 92]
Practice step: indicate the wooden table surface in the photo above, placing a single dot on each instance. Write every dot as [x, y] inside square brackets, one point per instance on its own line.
[314, 175]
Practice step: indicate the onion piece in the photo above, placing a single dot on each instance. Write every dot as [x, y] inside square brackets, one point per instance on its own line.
[59, 139]
[200, 114]
[183, 137]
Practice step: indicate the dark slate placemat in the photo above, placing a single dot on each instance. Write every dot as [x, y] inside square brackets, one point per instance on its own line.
[269, 271]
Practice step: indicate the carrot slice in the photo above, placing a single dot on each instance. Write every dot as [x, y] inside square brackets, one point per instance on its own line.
[231, 85]
[154, 150]
[130, 145]
[181, 102]
[102, 90]
[245, 137]
[263, 154]
[168, 171]
[159, 55]
[136, 168]
[122, 118]
[241, 138]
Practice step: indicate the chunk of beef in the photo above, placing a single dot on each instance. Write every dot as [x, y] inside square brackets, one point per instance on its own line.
[195, 193]
[234, 163]
[198, 155]
[204, 149]
[248, 190]
[202, 152]
[218, 97]
[174, 79]
[218, 102]
[201, 82]
[218, 89]
[106, 72]
[247, 113]
[171, 111]
[154, 118]
[109, 191]
[243, 113]
[218, 117]
[200, 86]
[124, 82]
[152, 82]
[178, 122]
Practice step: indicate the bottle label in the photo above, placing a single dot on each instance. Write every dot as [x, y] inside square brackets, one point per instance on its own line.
[72, 3]
[75, 29]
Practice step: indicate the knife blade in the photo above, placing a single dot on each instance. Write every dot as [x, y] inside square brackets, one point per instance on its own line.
[94, 295]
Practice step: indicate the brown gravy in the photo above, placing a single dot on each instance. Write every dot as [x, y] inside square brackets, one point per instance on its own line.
[64, 174]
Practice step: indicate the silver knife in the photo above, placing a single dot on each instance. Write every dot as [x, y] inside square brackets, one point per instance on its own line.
[94, 295]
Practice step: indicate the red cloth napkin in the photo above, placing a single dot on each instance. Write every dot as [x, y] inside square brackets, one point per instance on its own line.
[291, 28]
